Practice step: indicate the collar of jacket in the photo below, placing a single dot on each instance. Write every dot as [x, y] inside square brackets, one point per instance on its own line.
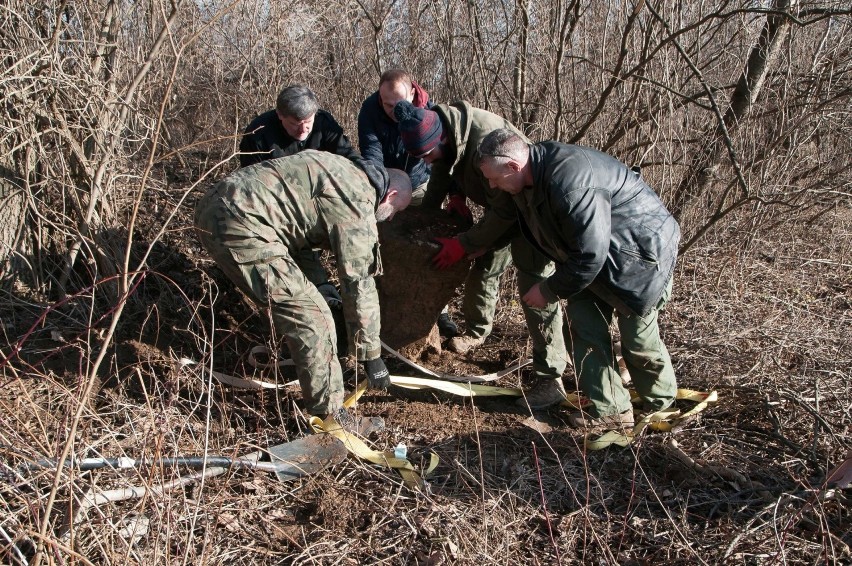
[456, 121]
[377, 175]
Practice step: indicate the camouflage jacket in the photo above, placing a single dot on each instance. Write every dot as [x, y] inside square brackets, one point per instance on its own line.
[466, 127]
[313, 199]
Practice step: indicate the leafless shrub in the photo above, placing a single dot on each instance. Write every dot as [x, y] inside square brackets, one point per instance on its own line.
[114, 114]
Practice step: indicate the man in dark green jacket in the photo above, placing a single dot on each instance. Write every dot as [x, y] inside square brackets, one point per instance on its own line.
[448, 137]
[615, 247]
[254, 223]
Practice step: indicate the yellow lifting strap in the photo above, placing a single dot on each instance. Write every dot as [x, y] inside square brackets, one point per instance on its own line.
[359, 448]
[662, 421]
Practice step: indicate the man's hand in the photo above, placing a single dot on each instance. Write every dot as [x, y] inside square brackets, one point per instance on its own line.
[457, 205]
[378, 376]
[534, 298]
[451, 253]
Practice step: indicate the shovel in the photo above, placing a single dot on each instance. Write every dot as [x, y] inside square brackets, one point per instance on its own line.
[289, 461]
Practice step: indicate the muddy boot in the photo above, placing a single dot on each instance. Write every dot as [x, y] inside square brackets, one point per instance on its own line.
[620, 421]
[547, 392]
[461, 344]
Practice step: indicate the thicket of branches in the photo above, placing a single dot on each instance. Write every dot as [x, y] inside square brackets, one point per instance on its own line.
[727, 106]
[737, 111]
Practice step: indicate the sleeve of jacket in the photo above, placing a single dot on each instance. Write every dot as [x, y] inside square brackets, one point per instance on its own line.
[440, 184]
[250, 148]
[355, 244]
[335, 141]
[500, 215]
[368, 139]
[585, 220]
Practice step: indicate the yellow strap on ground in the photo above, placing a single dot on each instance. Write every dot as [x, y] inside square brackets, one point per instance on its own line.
[700, 397]
[662, 421]
[359, 448]
[607, 439]
[472, 389]
[350, 401]
[462, 389]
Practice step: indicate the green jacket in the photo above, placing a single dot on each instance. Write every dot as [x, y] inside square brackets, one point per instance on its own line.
[313, 199]
[466, 127]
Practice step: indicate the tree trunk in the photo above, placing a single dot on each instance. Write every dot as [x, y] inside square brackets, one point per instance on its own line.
[703, 169]
[412, 292]
[13, 208]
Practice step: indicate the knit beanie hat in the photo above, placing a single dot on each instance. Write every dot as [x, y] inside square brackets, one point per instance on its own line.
[419, 129]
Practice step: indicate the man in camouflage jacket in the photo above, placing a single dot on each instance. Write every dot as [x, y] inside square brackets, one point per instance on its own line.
[255, 221]
[448, 137]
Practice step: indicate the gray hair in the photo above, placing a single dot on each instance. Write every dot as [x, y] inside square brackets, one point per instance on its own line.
[297, 101]
[503, 145]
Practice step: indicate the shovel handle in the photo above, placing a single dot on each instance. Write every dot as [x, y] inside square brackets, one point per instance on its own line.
[195, 462]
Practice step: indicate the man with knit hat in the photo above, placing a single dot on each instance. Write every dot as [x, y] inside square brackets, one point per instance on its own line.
[380, 142]
[255, 221]
[448, 137]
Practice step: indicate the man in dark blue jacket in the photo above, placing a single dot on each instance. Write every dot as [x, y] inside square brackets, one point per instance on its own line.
[380, 141]
[295, 124]
[614, 245]
[378, 133]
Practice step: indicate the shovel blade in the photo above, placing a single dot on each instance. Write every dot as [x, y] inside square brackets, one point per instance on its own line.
[306, 456]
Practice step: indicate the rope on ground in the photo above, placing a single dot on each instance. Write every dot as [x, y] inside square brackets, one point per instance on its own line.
[460, 378]
[661, 421]
[472, 386]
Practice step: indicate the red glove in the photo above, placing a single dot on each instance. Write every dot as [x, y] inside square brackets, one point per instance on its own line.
[451, 253]
[457, 205]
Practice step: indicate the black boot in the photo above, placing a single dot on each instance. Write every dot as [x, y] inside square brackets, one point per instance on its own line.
[446, 327]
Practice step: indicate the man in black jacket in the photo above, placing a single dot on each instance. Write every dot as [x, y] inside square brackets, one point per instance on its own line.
[295, 124]
[614, 245]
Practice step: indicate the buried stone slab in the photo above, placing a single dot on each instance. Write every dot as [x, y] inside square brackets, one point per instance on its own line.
[411, 291]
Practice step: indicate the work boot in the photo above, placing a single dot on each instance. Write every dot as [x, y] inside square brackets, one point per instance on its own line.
[446, 327]
[461, 344]
[346, 420]
[620, 421]
[547, 392]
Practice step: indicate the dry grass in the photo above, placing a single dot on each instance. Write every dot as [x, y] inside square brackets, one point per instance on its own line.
[767, 326]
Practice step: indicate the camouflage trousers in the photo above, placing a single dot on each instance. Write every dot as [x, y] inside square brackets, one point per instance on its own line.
[645, 355]
[298, 311]
[481, 292]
